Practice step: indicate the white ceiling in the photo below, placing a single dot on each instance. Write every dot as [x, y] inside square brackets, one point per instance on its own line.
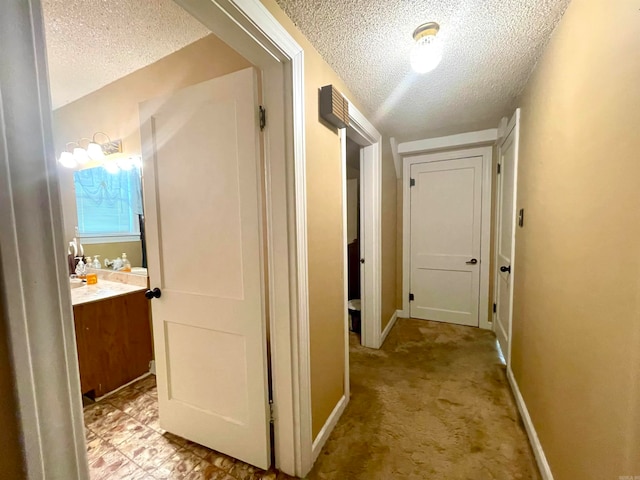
[490, 49]
[91, 43]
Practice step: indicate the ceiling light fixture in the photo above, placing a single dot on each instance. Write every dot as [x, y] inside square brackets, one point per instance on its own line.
[427, 51]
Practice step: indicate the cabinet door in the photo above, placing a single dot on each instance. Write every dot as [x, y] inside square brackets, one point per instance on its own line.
[125, 335]
[114, 342]
[112, 355]
[86, 334]
[138, 335]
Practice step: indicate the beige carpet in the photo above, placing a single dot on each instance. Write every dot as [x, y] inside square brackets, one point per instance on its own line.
[433, 403]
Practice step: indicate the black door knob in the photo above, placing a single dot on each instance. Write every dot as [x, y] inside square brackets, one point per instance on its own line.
[505, 269]
[155, 293]
[473, 261]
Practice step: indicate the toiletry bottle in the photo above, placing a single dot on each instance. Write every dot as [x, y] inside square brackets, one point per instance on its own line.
[81, 270]
[126, 264]
[96, 262]
[88, 262]
[117, 264]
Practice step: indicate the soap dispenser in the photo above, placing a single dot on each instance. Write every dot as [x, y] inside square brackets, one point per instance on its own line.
[81, 270]
[96, 262]
[126, 264]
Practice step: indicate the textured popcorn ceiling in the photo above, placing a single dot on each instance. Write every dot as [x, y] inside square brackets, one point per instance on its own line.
[490, 49]
[91, 43]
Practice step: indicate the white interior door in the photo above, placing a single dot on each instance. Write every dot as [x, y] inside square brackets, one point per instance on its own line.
[201, 181]
[446, 227]
[505, 240]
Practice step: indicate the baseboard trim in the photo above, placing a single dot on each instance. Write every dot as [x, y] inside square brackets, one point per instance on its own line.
[538, 452]
[389, 326]
[327, 428]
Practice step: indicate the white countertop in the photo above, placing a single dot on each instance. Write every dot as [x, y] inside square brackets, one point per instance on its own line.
[102, 290]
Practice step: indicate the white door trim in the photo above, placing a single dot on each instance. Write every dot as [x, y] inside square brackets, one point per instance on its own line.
[248, 27]
[461, 140]
[361, 131]
[487, 155]
[345, 259]
[36, 302]
[364, 134]
[512, 126]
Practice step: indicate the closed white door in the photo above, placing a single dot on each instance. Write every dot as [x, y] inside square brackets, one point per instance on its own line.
[446, 207]
[201, 182]
[504, 241]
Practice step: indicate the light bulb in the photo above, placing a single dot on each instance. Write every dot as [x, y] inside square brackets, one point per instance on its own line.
[111, 167]
[426, 54]
[80, 155]
[95, 152]
[66, 160]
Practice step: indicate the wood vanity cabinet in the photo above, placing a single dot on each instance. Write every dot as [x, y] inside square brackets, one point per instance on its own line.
[114, 342]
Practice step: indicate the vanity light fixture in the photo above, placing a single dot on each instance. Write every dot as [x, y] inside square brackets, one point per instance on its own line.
[95, 152]
[94, 149]
[427, 51]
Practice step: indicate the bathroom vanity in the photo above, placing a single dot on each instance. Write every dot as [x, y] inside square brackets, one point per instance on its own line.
[113, 334]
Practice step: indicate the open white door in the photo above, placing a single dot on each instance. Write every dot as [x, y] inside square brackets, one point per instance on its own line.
[505, 238]
[446, 226]
[204, 238]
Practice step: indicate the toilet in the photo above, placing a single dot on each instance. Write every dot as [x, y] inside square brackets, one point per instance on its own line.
[354, 315]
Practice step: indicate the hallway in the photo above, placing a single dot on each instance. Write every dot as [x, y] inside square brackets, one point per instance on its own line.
[432, 403]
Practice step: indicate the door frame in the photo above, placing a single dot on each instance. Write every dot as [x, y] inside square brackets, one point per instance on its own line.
[362, 132]
[512, 126]
[485, 238]
[42, 321]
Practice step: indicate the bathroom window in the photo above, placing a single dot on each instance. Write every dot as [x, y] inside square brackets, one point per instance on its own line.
[109, 204]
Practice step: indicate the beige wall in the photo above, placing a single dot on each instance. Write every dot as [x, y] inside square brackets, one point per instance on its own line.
[114, 108]
[576, 331]
[325, 244]
[11, 458]
[115, 250]
[389, 238]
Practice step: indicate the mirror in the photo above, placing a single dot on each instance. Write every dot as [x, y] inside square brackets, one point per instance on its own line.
[107, 209]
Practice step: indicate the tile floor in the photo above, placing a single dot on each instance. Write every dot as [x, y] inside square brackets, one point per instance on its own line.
[125, 441]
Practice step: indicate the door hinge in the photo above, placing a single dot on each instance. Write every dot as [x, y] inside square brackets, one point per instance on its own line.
[271, 414]
[412, 182]
[499, 169]
[263, 117]
[411, 297]
[494, 308]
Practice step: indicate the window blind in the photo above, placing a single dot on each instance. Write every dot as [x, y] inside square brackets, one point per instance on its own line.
[108, 204]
